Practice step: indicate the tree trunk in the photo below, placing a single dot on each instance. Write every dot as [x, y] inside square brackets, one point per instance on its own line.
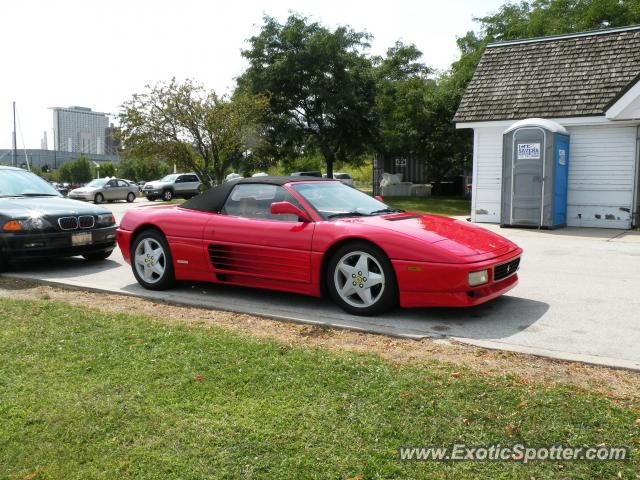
[329, 157]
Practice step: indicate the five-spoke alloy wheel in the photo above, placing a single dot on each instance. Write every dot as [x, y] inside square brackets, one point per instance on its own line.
[361, 280]
[151, 261]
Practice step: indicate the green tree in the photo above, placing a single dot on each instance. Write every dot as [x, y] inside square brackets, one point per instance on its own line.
[107, 169]
[76, 171]
[194, 128]
[320, 86]
[404, 93]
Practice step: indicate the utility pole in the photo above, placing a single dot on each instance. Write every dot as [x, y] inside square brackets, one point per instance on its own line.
[14, 154]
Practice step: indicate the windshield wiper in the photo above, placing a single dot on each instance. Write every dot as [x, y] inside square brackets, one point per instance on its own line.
[386, 210]
[347, 214]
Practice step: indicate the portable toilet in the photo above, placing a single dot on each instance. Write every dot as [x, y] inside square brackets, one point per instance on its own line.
[535, 167]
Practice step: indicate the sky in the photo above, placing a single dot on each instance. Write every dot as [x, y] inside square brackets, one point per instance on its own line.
[97, 54]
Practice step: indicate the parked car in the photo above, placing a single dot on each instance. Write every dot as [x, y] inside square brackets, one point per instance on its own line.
[62, 190]
[344, 178]
[105, 189]
[134, 184]
[37, 222]
[184, 185]
[311, 235]
[314, 173]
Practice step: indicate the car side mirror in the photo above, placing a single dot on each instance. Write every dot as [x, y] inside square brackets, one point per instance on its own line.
[279, 208]
[107, 186]
[379, 198]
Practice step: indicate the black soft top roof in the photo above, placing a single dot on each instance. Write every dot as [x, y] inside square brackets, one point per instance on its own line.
[213, 199]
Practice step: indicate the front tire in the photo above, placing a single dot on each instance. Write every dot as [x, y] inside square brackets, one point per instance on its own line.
[151, 199]
[167, 195]
[151, 261]
[131, 197]
[361, 279]
[97, 256]
[99, 198]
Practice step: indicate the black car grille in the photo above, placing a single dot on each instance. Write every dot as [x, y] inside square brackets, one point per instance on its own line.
[73, 223]
[505, 269]
[68, 223]
[86, 221]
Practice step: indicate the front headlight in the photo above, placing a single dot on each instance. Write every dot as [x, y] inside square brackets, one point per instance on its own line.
[106, 220]
[31, 224]
[478, 278]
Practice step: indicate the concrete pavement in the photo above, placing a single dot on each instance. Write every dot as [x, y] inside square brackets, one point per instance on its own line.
[578, 298]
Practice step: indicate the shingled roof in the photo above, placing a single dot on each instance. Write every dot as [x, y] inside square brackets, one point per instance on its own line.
[554, 77]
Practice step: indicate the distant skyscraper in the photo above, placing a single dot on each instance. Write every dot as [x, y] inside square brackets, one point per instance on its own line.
[112, 140]
[43, 142]
[79, 130]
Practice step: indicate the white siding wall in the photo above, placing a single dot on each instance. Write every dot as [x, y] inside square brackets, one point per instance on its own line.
[487, 181]
[601, 175]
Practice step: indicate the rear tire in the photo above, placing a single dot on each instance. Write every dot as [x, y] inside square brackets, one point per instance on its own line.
[97, 256]
[151, 261]
[131, 197]
[361, 279]
[99, 198]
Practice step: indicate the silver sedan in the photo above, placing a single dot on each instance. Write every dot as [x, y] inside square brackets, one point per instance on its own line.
[106, 189]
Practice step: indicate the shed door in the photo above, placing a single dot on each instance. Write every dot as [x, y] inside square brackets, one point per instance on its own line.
[528, 160]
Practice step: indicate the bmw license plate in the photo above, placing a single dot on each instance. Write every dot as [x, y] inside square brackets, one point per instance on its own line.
[83, 238]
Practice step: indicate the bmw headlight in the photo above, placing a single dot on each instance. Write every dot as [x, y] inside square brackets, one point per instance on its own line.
[106, 220]
[31, 224]
[478, 278]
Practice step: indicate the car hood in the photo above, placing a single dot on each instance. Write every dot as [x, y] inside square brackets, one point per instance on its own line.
[21, 207]
[459, 237]
[156, 184]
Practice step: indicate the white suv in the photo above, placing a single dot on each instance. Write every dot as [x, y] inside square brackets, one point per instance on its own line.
[184, 185]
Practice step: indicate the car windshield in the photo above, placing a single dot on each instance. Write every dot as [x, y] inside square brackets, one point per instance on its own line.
[169, 178]
[335, 200]
[98, 182]
[20, 183]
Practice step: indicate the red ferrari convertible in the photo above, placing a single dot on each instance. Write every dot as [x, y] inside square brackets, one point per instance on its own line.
[313, 236]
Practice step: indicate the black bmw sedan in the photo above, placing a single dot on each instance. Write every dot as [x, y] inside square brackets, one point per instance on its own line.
[37, 222]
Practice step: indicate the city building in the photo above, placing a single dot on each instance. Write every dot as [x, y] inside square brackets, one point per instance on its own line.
[79, 130]
[112, 140]
[50, 158]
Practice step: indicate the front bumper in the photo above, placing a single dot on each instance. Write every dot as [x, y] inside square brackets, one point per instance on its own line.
[152, 192]
[84, 197]
[446, 285]
[23, 246]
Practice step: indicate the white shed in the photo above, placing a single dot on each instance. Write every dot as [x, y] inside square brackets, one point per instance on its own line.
[590, 84]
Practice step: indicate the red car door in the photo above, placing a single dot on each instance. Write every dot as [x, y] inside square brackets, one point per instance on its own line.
[246, 242]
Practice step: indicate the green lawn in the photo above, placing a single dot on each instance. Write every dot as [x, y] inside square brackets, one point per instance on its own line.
[88, 395]
[448, 206]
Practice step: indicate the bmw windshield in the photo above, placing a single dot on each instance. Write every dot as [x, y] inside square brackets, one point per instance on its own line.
[336, 200]
[20, 183]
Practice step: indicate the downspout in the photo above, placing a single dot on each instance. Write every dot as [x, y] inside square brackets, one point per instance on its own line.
[635, 215]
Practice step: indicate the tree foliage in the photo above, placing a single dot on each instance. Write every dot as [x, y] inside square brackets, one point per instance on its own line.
[107, 169]
[76, 171]
[320, 87]
[196, 129]
[143, 169]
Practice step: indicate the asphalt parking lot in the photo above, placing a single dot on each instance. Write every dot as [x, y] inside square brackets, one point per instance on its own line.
[578, 298]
